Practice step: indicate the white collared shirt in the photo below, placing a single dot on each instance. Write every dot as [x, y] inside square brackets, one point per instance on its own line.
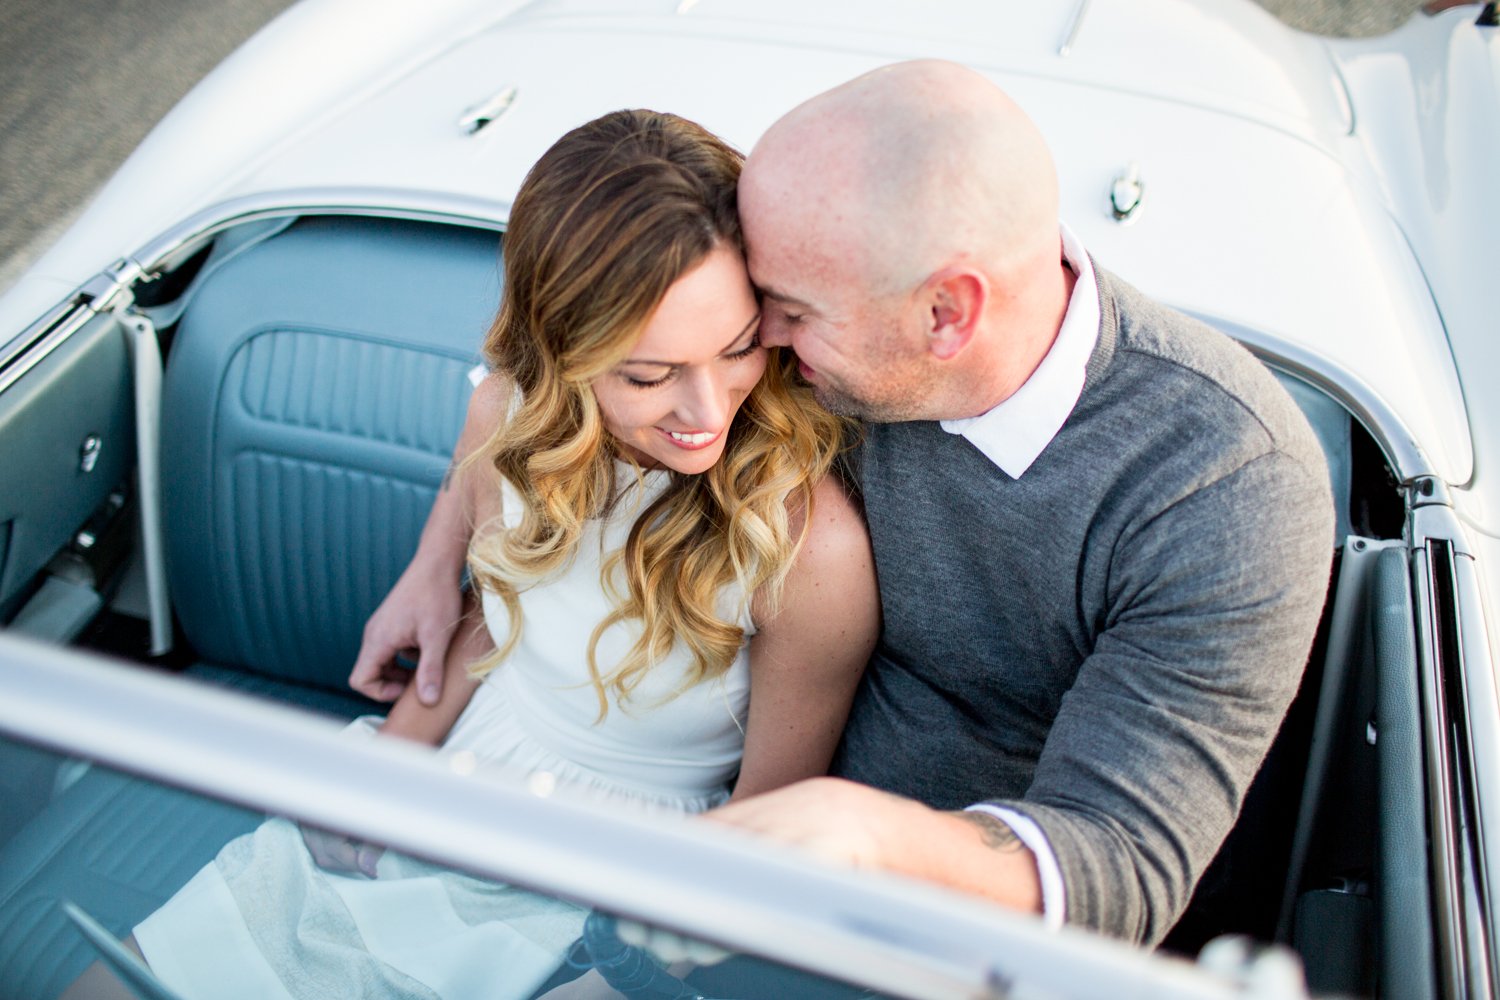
[1011, 434]
[1014, 431]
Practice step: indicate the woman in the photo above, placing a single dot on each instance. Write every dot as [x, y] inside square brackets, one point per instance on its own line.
[675, 593]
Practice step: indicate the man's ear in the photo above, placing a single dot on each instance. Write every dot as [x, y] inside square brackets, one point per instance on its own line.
[956, 300]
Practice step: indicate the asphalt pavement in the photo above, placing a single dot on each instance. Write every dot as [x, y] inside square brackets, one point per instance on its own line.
[83, 81]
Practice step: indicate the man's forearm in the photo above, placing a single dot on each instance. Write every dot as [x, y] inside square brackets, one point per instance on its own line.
[855, 824]
[977, 853]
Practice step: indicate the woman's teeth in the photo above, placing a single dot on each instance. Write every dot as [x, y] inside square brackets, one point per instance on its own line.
[700, 438]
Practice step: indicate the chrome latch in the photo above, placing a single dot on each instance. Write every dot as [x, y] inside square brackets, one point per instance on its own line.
[488, 111]
[88, 452]
[1126, 193]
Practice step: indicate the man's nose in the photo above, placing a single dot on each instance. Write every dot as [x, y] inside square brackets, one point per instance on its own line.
[774, 335]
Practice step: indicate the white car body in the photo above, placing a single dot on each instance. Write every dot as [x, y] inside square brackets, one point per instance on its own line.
[1348, 176]
[1331, 203]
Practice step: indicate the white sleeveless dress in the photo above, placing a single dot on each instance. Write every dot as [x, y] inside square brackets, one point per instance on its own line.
[262, 922]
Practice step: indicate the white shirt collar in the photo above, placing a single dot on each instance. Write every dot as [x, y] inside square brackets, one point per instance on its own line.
[1016, 430]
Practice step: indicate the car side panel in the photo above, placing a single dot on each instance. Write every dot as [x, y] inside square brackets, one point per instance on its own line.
[78, 391]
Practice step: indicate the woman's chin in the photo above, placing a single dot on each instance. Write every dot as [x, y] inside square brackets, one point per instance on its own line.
[692, 462]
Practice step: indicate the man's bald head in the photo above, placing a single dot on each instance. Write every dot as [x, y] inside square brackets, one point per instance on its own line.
[904, 231]
[906, 168]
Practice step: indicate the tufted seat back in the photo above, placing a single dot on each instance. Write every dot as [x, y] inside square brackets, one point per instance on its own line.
[313, 394]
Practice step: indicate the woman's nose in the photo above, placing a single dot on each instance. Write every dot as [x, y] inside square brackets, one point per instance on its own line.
[705, 401]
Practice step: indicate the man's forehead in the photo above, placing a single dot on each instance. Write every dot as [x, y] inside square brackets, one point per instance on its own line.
[776, 295]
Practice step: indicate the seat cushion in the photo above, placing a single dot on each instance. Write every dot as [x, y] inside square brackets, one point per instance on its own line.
[119, 847]
[116, 846]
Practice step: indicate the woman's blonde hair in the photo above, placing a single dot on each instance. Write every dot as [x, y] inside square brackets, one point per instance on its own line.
[614, 213]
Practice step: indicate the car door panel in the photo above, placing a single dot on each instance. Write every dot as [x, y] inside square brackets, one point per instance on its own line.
[67, 441]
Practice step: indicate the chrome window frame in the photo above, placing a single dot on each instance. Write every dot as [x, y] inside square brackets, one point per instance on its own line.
[895, 935]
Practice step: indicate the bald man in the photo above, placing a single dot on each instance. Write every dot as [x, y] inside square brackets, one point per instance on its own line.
[1102, 530]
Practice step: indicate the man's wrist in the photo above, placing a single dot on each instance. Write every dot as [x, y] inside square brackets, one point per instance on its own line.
[1054, 900]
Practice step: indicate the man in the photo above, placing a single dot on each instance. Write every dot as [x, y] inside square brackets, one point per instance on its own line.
[1102, 531]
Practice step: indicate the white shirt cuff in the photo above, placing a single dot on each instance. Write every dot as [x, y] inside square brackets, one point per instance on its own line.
[1054, 900]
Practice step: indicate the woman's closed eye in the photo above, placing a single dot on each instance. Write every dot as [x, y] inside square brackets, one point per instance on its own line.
[667, 375]
[747, 350]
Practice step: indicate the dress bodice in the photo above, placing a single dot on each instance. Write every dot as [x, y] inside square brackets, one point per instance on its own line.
[665, 741]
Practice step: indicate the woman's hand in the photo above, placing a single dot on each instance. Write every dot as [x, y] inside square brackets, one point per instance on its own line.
[335, 852]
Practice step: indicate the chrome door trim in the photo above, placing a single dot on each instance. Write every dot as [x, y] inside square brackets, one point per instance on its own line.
[186, 237]
[31, 348]
[1461, 717]
[1402, 450]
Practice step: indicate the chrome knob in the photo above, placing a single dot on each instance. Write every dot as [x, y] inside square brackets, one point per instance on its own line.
[88, 452]
[1126, 193]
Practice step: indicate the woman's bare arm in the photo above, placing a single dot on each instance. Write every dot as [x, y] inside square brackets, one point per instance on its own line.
[806, 660]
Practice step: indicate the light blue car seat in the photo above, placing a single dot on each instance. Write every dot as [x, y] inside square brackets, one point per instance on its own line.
[314, 389]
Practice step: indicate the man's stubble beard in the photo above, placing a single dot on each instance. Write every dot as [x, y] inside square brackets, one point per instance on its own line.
[901, 402]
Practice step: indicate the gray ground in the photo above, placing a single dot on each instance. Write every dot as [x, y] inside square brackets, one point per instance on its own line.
[82, 81]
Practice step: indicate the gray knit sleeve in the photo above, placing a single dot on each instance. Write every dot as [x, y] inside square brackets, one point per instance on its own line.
[1215, 599]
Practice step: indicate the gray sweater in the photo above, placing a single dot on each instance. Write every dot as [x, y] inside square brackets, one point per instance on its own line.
[1108, 643]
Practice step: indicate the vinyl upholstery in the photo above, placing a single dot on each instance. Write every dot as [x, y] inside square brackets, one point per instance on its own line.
[315, 387]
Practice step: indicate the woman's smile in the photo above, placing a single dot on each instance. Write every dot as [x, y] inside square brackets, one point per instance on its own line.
[691, 441]
[672, 401]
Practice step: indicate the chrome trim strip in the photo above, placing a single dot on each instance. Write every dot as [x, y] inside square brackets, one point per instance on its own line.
[100, 293]
[1075, 25]
[34, 344]
[1483, 705]
[895, 935]
[35, 352]
[424, 206]
[487, 112]
[1401, 449]
[1448, 916]
[23, 341]
[1461, 730]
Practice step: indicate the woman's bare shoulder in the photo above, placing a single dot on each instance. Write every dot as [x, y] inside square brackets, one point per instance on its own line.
[836, 532]
[494, 396]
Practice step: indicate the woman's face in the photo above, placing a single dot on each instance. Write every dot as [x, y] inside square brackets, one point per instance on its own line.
[670, 402]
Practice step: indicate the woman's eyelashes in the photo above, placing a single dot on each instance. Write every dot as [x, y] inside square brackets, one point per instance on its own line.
[747, 350]
[671, 373]
[641, 383]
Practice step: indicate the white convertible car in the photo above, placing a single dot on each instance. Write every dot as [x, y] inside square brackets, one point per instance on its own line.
[228, 393]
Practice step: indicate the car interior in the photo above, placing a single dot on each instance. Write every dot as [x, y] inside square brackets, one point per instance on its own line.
[309, 376]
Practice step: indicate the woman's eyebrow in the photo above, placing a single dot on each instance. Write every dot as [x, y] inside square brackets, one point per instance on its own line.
[674, 364]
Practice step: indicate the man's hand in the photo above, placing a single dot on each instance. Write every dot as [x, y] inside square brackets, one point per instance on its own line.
[853, 824]
[837, 820]
[418, 616]
[336, 853]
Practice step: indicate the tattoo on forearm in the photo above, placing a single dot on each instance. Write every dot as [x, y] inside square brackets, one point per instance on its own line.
[995, 834]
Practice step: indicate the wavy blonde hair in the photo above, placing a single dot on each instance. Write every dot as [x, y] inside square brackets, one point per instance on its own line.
[614, 213]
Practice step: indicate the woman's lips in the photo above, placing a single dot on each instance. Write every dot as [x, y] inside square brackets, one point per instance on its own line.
[689, 441]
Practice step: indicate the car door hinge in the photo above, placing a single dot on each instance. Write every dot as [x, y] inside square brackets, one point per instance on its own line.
[1427, 491]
